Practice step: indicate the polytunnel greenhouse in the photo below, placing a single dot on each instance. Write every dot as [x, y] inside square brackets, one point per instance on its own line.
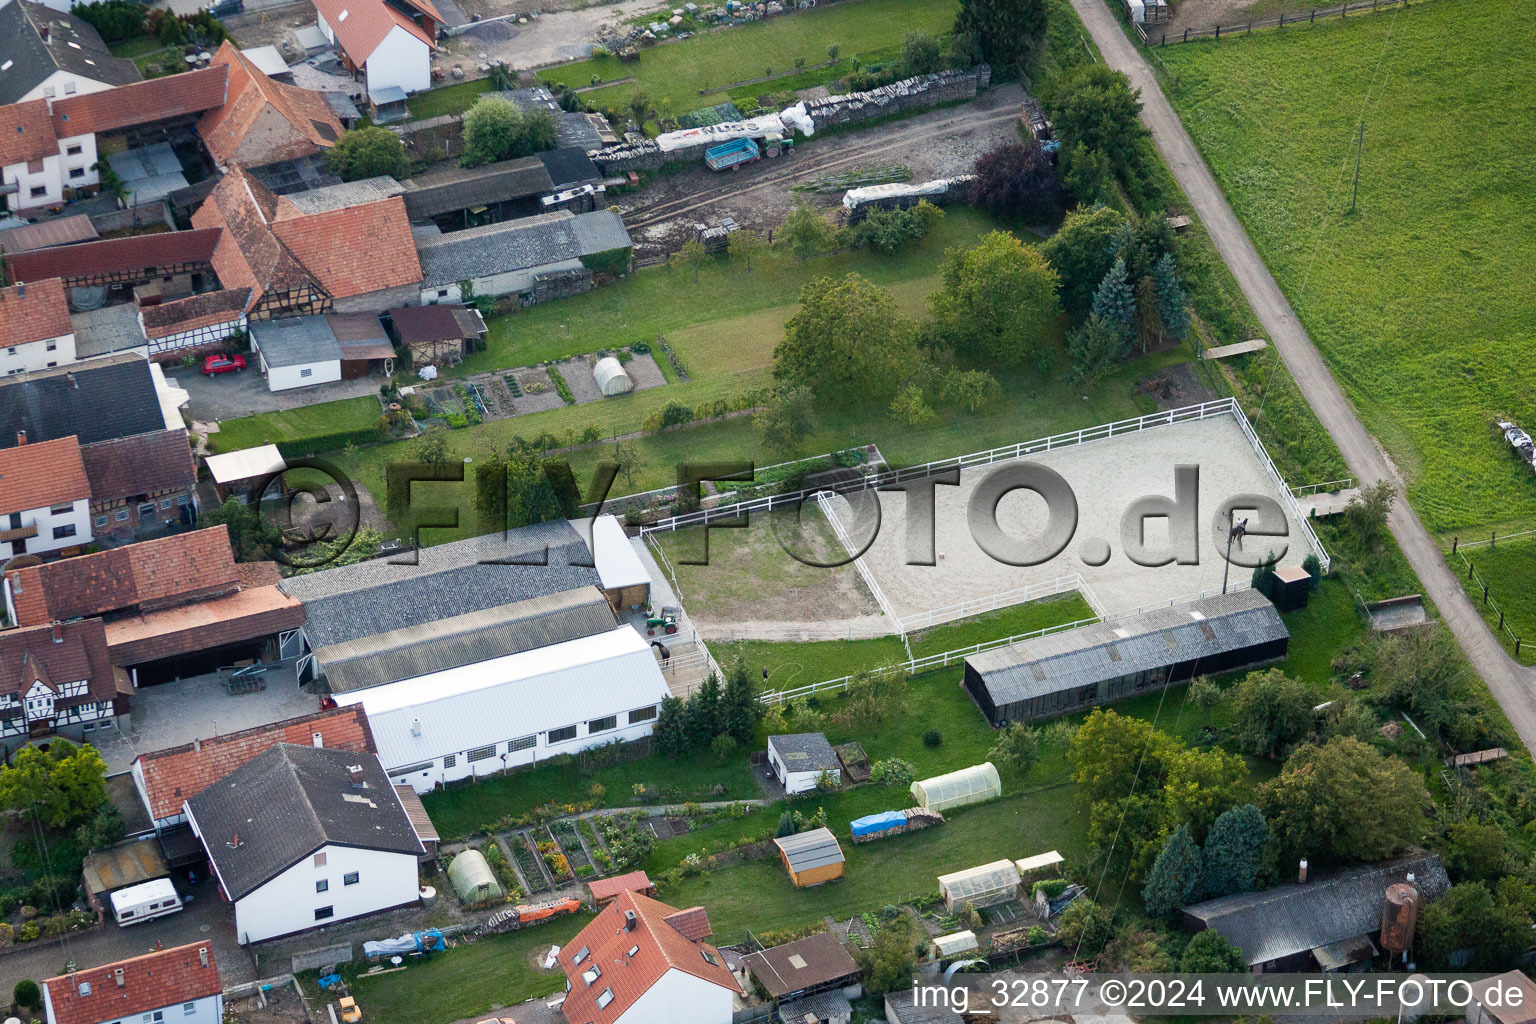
[984, 886]
[472, 878]
[967, 786]
[611, 377]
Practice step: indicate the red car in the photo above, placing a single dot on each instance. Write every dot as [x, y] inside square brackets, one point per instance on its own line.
[223, 364]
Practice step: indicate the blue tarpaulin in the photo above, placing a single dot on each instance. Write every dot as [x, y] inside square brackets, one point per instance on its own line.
[872, 823]
[429, 941]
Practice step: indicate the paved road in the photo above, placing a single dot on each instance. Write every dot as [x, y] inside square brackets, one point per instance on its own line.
[1513, 685]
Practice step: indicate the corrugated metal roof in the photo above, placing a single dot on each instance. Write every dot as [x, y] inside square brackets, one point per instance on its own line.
[465, 639]
[1295, 918]
[517, 695]
[814, 849]
[617, 562]
[1120, 647]
[509, 246]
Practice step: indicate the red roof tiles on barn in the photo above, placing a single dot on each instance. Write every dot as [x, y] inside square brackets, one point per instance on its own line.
[158, 99]
[140, 255]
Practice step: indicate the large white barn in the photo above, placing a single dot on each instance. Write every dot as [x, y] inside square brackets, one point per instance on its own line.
[514, 710]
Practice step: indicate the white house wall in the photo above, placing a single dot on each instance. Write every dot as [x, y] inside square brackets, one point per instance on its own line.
[707, 1003]
[400, 59]
[78, 515]
[36, 355]
[63, 83]
[207, 1010]
[71, 167]
[287, 903]
[281, 378]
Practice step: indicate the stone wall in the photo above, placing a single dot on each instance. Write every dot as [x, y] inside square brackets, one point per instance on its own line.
[917, 93]
[557, 284]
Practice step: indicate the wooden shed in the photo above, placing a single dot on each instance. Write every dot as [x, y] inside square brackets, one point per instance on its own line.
[811, 858]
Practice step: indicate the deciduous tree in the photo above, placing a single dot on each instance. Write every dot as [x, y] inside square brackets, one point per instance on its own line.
[1470, 917]
[1005, 31]
[745, 245]
[1097, 108]
[997, 300]
[785, 418]
[1017, 748]
[1210, 953]
[1344, 801]
[694, 256]
[920, 54]
[848, 343]
[974, 389]
[59, 787]
[805, 231]
[1271, 711]
[1080, 254]
[366, 153]
[1016, 180]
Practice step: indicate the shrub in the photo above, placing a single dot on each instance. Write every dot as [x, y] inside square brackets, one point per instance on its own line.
[892, 771]
[933, 738]
[29, 932]
[27, 994]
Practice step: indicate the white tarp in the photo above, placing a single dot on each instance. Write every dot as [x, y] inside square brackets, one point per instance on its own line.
[856, 197]
[724, 132]
[796, 117]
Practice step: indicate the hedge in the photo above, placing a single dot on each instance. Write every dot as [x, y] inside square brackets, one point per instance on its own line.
[613, 261]
[318, 444]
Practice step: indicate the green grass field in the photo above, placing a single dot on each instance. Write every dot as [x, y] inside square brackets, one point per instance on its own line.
[1418, 299]
[302, 421]
[1508, 568]
[696, 72]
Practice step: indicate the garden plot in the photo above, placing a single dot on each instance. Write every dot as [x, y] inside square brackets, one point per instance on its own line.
[1106, 476]
[529, 389]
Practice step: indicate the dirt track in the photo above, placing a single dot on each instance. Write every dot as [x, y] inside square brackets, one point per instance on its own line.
[939, 143]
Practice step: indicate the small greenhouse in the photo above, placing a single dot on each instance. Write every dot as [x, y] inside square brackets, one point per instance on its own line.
[956, 943]
[472, 878]
[611, 378]
[967, 786]
[984, 886]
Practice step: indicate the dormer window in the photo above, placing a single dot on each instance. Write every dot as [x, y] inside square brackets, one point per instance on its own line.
[591, 974]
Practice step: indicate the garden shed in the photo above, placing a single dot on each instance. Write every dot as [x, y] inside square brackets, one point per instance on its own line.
[611, 378]
[473, 879]
[798, 761]
[956, 943]
[984, 886]
[1040, 862]
[811, 858]
[971, 785]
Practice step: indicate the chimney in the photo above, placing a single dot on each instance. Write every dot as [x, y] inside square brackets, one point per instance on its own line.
[202, 955]
[117, 976]
[629, 920]
[197, 745]
[58, 634]
[317, 739]
[21, 289]
[355, 772]
[21, 438]
[415, 727]
[45, 33]
[1410, 878]
[1301, 872]
[72, 382]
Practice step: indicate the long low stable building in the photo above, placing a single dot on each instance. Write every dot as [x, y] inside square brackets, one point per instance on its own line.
[1108, 661]
[514, 710]
[535, 258]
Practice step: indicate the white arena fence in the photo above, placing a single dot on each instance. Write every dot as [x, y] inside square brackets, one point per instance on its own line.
[1008, 453]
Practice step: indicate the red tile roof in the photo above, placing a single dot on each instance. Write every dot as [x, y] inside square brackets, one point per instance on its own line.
[34, 311]
[361, 25]
[138, 254]
[355, 250]
[141, 464]
[26, 133]
[205, 310]
[41, 474]
[153, 981]
[269, 243]
[157, 99]
[608, 888]
[253, 101]
[658, 948]
[176, 775]
[148, 575]
[58, 654]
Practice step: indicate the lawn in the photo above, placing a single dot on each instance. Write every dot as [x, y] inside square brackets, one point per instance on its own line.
[698, 72]
[1416, 299]
[1508, 569]
[497, 971]
[302, 421]
[449, 99]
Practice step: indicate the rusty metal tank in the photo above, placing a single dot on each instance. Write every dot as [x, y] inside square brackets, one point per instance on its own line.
[1399, 916]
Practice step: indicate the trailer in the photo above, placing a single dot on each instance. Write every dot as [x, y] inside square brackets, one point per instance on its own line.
[144, 902]
[731, 155]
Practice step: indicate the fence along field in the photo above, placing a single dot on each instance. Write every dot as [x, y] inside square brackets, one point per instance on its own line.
[1417, 300]
[1162, 34]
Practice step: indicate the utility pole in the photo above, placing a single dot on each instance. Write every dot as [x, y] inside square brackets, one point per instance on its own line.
[1359, 147]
